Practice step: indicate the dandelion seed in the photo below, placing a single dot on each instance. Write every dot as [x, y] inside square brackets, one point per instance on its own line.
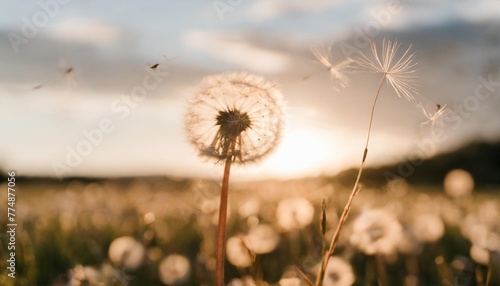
[237, 116]
[398, 72]
[337, 72]
[435, 118]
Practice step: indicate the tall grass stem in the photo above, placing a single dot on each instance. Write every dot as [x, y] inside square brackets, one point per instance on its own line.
[355, 190]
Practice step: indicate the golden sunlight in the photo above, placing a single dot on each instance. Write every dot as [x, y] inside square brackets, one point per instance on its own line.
[302, 152]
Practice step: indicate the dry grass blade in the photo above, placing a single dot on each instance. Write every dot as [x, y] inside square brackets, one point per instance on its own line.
[303, 276]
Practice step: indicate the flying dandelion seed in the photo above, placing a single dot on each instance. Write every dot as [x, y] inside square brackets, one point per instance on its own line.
[337, 72]
[434, 118]
[67, 73]
[237, 116]
[399, 73]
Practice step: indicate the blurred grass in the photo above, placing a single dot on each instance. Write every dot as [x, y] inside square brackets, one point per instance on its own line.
[63, 225]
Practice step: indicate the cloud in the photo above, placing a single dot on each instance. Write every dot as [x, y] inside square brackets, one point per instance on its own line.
[235, 49]
[84, 31]
[266, 10]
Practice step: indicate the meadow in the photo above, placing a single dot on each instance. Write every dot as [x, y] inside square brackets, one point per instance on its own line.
[161, 231]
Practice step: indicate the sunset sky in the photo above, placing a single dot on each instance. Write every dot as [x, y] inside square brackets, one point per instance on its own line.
[108, 47]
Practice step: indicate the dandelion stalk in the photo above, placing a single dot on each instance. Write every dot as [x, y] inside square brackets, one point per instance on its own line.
[399, 76]
[221, 228]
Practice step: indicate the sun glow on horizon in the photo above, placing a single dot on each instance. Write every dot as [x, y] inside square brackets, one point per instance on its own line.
[302, 152]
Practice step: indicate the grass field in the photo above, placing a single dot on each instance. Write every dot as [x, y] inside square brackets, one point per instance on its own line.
[422, 236]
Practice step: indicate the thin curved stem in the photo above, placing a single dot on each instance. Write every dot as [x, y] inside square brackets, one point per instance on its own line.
[221, 229]
[355, 190]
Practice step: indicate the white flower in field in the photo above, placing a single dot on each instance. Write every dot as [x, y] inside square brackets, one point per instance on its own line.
[237, 116]
[244, 281]
[262, 239]
[479, 254]
[398, 72]
[428, 227]
[338, 272]
[458, 183]
[84, 275]
[174, 269]
[294, 213]
[294, 281]
[126, 251]
[337, 72]
[238, 253]
[376, 232]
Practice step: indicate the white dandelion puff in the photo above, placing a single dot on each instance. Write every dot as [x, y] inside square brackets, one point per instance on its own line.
[398, 72]
[238, 253]
[376, 232]
[338, 272]
[126, 251]
[237, 116]
[174, 269]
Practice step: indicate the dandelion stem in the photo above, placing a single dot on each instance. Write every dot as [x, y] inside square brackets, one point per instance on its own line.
[221, 229]
[355, 190]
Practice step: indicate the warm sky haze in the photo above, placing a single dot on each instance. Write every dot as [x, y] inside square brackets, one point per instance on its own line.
[69, 67]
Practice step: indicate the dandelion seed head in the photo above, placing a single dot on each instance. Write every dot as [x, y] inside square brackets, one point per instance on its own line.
[262, 239]
[237, 116]
[376, 232]
[458, 183]
[174, 269]
[428, 227]
[126, 251]
[399, 73]
[84, 275]
[338, 272]
[238, 253]
[294, 213]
